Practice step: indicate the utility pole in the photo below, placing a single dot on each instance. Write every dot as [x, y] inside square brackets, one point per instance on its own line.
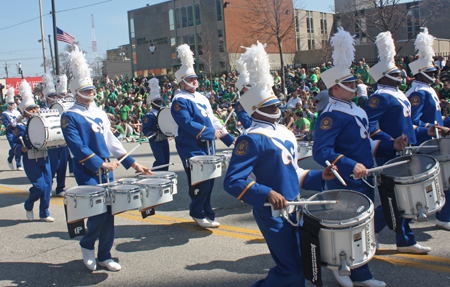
[55, 39]
[42, 37]
[6, 69]
[51, 54]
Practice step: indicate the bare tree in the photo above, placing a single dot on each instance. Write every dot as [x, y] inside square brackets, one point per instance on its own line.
[208, 47]
[323, 50]
[272, 21]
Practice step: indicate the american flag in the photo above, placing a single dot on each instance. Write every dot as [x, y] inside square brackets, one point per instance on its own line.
[64, 37]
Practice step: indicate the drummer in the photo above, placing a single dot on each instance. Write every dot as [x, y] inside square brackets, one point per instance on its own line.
[242, 85]
[86, 129]
[9, 120]
[58, 156]
[158, 141]
[197, 130]
[264, 168]
[37, 169]
[342, 138]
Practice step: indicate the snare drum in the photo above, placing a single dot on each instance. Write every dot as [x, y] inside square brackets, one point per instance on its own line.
[304, 149]
[418, 186]
[84, 201]
[166, 123]
[155, 191]
[127, 180]
[163, 174]
[205, 167]
[62, 106]
[125, 197]
[44, 131]
[226, 157]
[442, 154]
[347, 230]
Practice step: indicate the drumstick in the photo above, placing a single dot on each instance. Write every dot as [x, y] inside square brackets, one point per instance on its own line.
[436, 129]
[301, 203]
[156, 167]
[403, 136]
[228, 118]
[425, 146]
[387, 166]
[129, 153]
[336, 174]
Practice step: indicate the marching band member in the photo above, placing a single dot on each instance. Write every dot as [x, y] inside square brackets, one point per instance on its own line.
[65, 158]
[86, 129]
[57, 155]
[9, 119]
[36, 163]
[197, 130]
[158, 142]
[242, 85]
[389, 113]
[342, 138]
[426, 108]
[264, 168]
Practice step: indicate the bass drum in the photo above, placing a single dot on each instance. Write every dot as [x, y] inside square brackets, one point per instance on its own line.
[44, 132]
[166, 123]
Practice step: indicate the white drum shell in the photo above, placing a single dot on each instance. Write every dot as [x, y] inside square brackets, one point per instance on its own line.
[125, 197]
[304, 149]
[62, 106]
[442, 154]
[204, 168]
[45, 132]
[424, 189]
[84, 206]
[163, 174]
[155, 192]
[226, 157]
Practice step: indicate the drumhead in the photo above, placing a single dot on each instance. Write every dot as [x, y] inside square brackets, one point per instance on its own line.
[442, 152]
[417, 165]
[36, 132]
[351, 205]
[166, 123]
[159, 174]
[85, 190]
[155, 182]
[205, 159]
[127, 180]
[125, 188]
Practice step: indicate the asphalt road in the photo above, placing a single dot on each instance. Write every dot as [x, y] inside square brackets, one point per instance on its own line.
[168, 249]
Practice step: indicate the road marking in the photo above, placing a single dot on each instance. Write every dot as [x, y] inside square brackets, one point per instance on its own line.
[413, 264]
[424, 257]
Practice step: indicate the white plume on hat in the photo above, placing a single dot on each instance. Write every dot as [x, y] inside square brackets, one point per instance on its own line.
[62, 88]
[80, 71]
[10, 95]
[261, 80]
[343, 56]
[27, 96]
[187, 63]
[424, 45]
[153, 84]
[386, 54]
[49, 86]
[244, 77]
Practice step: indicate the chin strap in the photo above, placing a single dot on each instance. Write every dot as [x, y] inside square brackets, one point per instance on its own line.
[393, 78]
[347, 88]
[85, 97]
[272, 116]
[51, 100]
[189, 85]
[156, 105]
[428, 77]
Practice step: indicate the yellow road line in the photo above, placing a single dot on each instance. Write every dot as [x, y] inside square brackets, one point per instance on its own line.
[424, 257]
[413, 264]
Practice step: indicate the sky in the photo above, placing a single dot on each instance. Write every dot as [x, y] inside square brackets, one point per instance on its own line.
[20, 28]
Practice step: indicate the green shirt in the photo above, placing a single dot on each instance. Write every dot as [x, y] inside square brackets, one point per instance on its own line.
[119, 129]
[312, 78]
[231, 125]
[124, 112]
[302, 122]
[111, 110]
[312, 119]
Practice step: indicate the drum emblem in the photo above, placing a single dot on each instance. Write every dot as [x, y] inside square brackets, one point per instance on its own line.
[415, 100]
[374, 102]
[326, 123]
[239, 108]
[241, 148]
[177, 107]
[64, 122]
[146, 120]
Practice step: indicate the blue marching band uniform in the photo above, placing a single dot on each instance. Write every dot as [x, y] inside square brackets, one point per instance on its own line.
[9, 120]
[158, 143]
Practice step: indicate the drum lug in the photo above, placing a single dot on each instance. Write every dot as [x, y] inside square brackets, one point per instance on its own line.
[92, 202]
[344, 270]
[146, 192]
[75, 202]
[113, 198]
[201, 167]
[129, 197]
[421, 217]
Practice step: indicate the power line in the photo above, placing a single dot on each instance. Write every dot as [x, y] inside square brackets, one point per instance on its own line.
[4, 52]
[56, 12]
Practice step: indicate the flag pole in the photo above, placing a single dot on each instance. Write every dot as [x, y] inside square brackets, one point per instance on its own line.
[55, 40]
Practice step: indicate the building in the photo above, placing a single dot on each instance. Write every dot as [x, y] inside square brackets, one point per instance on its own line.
[117, 62]
[312, 29]
[214, 29]
[119, 54]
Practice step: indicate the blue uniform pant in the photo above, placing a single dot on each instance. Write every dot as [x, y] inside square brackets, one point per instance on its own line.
[284, 245]
[200, 206]
[11, 154]
[58, 162]
[100, 226]
[444, 214]
[39, 174]
[161, 153]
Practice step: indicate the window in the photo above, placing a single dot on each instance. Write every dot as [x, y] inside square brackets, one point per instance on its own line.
[219, 10]
[132, 28]
[197, 14]
[190, 14]
[310, 44]
[199, 45]
[323, 23]
[412, 20]
[220, 41]
[297, 24]
[310, 23]
[177, 18]
[184, 18]
[171, 20]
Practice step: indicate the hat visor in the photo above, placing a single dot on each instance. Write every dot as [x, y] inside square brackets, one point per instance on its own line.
[350, 78]
[394, 71]
[271, 103]
[90, 87]
[430, 69]
[191, 76]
